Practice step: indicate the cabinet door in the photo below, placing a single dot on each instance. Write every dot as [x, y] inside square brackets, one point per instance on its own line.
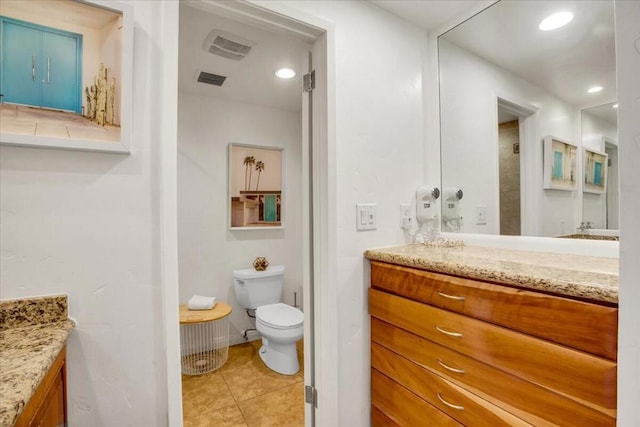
[20, 55]
[59, 72]
[52, 412]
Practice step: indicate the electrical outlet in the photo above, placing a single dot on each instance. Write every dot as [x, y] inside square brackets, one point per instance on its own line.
[405, 216]
[481, 215]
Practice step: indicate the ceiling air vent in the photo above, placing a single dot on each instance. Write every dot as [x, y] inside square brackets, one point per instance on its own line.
[227, 45]
[211, 79]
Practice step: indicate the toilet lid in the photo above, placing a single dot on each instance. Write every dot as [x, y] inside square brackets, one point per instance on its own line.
[280, 315]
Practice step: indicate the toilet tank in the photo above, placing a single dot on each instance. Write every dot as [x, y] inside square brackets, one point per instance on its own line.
[255, 288]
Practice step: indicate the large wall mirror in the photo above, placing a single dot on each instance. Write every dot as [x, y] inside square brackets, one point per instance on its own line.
[506, 85]
[255, 187]
[66, 74]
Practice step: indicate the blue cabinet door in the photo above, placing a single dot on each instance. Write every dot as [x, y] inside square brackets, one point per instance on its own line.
[41, 66]
[59, 72]
[20, 56]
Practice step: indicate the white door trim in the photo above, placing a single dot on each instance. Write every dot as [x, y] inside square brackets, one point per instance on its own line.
[326, 326]
[168, 203]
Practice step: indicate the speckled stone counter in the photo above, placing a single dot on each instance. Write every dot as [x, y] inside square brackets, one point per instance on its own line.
[32, 333]
[579, 276]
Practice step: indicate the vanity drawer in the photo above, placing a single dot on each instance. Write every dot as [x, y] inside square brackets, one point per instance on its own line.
[458, 403]
[526, 400]
[561, 369]
[380, 419]
[404, 407]
[577, 324]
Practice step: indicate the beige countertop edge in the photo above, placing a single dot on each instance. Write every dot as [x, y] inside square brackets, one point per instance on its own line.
[580, 289]
[26, 355]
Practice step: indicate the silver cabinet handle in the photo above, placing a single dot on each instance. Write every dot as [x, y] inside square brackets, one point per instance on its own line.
[33, 68]
[48, 70]
[449, 368]
[457, 298]
[450, 405]
[452, 334]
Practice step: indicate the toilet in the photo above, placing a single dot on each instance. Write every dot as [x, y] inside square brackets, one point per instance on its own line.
[279, 325]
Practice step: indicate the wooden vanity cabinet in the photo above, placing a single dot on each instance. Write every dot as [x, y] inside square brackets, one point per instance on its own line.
[48, 405]
[486, 354]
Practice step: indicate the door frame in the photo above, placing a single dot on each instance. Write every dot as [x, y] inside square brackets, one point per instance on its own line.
[275, 14]
[78, 37]
[530, 157]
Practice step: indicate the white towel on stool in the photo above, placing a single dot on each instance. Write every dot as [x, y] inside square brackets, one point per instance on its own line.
[198, 302]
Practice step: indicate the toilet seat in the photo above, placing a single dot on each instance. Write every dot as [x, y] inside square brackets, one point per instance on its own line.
[279, 316]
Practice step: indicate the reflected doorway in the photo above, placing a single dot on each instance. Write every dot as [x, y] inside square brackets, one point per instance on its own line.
[515, 151]
[509, 173]
[613, 186]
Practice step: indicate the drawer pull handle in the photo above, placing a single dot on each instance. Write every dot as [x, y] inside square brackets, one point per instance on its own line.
[450, 405]
[449, 368]
[454, 297]
[452, 334]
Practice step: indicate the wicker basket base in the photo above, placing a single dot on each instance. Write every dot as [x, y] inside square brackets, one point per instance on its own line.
[203, 362]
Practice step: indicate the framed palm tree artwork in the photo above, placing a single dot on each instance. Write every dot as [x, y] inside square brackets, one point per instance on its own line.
[255, 187]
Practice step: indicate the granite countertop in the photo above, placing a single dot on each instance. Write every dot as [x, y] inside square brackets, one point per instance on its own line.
[32, 333]
[586, 277]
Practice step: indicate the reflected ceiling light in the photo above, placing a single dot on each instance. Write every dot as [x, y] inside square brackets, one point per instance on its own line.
[595, 89]
[615, 105]
[556, 20]
[285, 73]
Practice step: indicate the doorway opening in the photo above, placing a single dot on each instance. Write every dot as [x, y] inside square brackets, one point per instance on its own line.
[612, 197]
[247, 104]
[513, 134]
[509, 172]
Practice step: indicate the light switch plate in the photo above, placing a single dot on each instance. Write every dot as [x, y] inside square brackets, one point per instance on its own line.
[481, 215]
[405, 215]
[366, 216]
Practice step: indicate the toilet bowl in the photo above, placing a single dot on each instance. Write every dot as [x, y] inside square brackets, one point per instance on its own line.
[280, 327]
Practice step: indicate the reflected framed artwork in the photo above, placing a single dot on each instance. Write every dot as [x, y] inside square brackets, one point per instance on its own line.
[560, 158]
[255, 187]
[595, 172]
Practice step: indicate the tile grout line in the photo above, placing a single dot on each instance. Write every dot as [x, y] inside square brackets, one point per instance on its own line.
[237, 401]
[234, 398]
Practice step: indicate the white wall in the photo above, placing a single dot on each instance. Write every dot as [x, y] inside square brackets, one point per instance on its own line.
[469, 87]
[627, 16]
[208, 250]
[86, 224]
[593, 130]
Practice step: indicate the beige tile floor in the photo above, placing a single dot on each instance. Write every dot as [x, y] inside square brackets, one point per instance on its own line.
[244, 392]
[17, 119]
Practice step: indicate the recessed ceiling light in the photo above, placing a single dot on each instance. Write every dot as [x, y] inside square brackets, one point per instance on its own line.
[556, 20]
[615, 105]
[285, 73]
[595, 89]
